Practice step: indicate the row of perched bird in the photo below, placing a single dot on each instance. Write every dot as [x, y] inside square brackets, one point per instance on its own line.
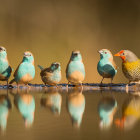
[75, 71]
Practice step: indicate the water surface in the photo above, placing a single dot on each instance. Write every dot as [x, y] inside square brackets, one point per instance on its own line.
[69, 115]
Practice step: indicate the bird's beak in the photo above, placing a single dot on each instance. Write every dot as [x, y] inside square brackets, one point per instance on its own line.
[25, 54]
[100, 52]
[117, 54]
[57, 65]
[75, 54]
[120, 122]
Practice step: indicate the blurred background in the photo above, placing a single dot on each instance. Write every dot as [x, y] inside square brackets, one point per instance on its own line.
[51, 29]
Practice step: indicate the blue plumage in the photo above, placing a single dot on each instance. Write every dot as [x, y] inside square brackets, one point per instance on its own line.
[106, 66]
[25, 71]
[76, 107]
[5, 69]
[106, 110]
[75, 71]
[5, 105]
[26, 106]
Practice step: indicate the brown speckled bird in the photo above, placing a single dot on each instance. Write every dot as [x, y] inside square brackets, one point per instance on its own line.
[51, 75]
[130, 65]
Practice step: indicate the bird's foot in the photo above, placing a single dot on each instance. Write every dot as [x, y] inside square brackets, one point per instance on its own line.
[10, 86]
[110, 84]
[134, 82]
[101, 84]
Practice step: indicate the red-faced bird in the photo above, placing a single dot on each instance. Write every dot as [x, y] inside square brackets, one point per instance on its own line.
[130, 65]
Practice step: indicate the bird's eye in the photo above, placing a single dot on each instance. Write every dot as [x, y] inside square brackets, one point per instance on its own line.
[123, 54]
[105, 52]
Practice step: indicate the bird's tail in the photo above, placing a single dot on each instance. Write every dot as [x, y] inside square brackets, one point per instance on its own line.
[12, 81]
[40, 67]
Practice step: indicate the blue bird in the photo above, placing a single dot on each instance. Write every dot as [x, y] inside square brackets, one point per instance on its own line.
[106, 109]
[106, 66]
[5, 106]
[75, 71]
[5, 68]
[51, 75]
[76, 107]
[26, 105]
[25, 72]
[53, 100]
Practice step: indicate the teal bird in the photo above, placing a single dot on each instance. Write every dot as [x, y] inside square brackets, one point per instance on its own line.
[25, 72]
[5, 106]
[5, 69]
[106, 66]
[52, 100]
[106, 109]
[51, 75]
[76, 107]
[75, 71]
[25, 103]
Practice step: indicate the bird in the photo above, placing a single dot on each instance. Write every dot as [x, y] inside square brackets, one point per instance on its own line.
[25, 72]
[130, 113]
[53, 100]
[5, 106]
[5, 68]
[25, 103]
[76, 106]
[106, 66]
[75, 71]
[106, 108]
[130, 65]
[51, 75]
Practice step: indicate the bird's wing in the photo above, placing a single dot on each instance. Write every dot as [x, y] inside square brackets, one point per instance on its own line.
[15, 73]
[41, 68]
[45, 71]
[113, 63]
[10, 68]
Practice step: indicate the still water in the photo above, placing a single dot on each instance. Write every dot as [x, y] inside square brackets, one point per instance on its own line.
[69, 115]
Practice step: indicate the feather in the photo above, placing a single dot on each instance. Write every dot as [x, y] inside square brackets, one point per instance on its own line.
[41, 68]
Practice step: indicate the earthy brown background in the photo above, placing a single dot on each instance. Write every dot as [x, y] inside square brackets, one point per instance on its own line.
[51, 29]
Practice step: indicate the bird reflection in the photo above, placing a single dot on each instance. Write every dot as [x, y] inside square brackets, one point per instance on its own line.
[25, 103]
[5, 106]
[130, 113]
[106, 109]
[76, 106]
[53, 100]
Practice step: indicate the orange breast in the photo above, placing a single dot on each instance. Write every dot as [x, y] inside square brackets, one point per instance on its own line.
[76, 77]
[26, 79]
